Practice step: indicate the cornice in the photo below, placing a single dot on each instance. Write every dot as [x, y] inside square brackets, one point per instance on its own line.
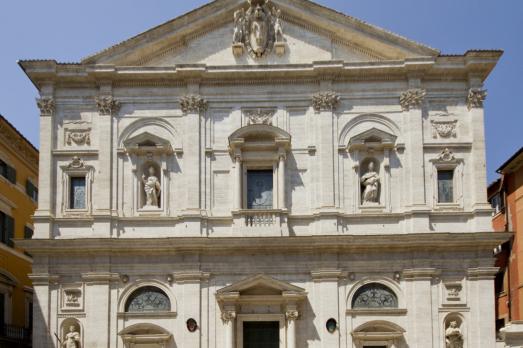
[310, 244]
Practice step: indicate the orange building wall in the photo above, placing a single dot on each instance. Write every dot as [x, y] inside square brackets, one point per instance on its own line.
[14, 261]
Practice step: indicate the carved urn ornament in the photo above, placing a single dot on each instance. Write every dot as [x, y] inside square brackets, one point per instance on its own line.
[259, 30]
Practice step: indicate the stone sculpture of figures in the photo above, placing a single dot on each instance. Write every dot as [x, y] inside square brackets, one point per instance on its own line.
[371, 181]
[454, 338]
[72, 338]
[239, 25]
[278, 29]
[152, 188]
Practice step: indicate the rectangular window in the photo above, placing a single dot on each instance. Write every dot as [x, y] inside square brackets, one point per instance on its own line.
[259, 189]
[2, 310]
[7, 229]
[8, 172]
[31, 190]
[77, 193]
[445, 186]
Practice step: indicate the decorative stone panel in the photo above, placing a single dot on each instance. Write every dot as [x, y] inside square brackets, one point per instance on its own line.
[444, 129]
[72, 299]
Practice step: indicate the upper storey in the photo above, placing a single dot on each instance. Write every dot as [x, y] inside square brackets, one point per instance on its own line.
[283, 116]
[261, 39]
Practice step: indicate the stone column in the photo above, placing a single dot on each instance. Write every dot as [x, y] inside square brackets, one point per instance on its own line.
[476, 97]
[42, 335]
[419, 304]
[107, 108]
[193, 106]
[326, 304]
[325, 103]
[47, 106]
[229, 319]
[281, 180]
[291, 315]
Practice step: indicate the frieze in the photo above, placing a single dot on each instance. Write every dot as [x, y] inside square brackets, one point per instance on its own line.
[413, 98]
[193, 103]
[107, 105]
[47, 106]
[444, 129]
[476, 97]
[325, 101]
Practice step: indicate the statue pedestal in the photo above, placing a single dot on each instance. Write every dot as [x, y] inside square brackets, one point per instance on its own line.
[279, 48]
[237, 49]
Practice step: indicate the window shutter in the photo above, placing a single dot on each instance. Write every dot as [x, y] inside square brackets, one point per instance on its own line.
[10, 228]
[3, 230]
[11, 174]
[3, 169]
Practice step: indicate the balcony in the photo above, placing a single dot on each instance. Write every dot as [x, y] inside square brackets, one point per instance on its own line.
[260, 223]
[15, 337]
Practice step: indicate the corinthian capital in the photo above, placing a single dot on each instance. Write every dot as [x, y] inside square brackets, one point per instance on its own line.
[476, 98]
[107, 105]
[46, 106]
[193, 103]
[325, 101]
[413, 98]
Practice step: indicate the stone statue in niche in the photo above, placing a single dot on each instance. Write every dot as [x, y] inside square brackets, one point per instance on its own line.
[72, 338]
[453, 335]
[152, 188]
[371, 182]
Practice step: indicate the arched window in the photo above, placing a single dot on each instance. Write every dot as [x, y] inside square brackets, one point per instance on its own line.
[374, 295]
[148, 299]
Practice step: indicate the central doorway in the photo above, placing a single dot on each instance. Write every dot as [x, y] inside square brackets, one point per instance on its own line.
[261, 334]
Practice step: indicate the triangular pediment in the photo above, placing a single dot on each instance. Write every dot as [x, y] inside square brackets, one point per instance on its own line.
[260, 285]
[311, 33]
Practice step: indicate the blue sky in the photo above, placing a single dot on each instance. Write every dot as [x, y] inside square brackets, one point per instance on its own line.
[68, 30]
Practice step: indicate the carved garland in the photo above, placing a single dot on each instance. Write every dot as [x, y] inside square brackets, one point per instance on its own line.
[413, 98]
[193, 103]
[78, 136]
[444, 129]
[260, 116]
[107, 105]
[325, 101]
[475, 98]
[46, 105]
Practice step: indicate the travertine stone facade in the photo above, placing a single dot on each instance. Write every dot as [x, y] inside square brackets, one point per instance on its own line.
[353, 235]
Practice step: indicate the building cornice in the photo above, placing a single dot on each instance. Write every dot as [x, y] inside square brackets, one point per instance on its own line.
[41, 72]
[309, 244]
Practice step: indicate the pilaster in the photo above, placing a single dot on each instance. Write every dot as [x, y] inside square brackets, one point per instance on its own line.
[325, 103]
[191, 306]
[98, 304]
[193, 106]
[326, 283]
[107, 108]
[419, 305]
[483, 317]
[43, 285]
[475, 98]
[46, 178]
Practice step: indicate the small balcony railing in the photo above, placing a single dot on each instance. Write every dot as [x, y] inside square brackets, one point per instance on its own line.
[252, 222]
[15, 334]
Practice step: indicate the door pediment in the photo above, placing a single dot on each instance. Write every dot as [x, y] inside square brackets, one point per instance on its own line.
[261, 286]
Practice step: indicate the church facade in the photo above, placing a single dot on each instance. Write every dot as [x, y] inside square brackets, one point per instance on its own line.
[263, 174]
